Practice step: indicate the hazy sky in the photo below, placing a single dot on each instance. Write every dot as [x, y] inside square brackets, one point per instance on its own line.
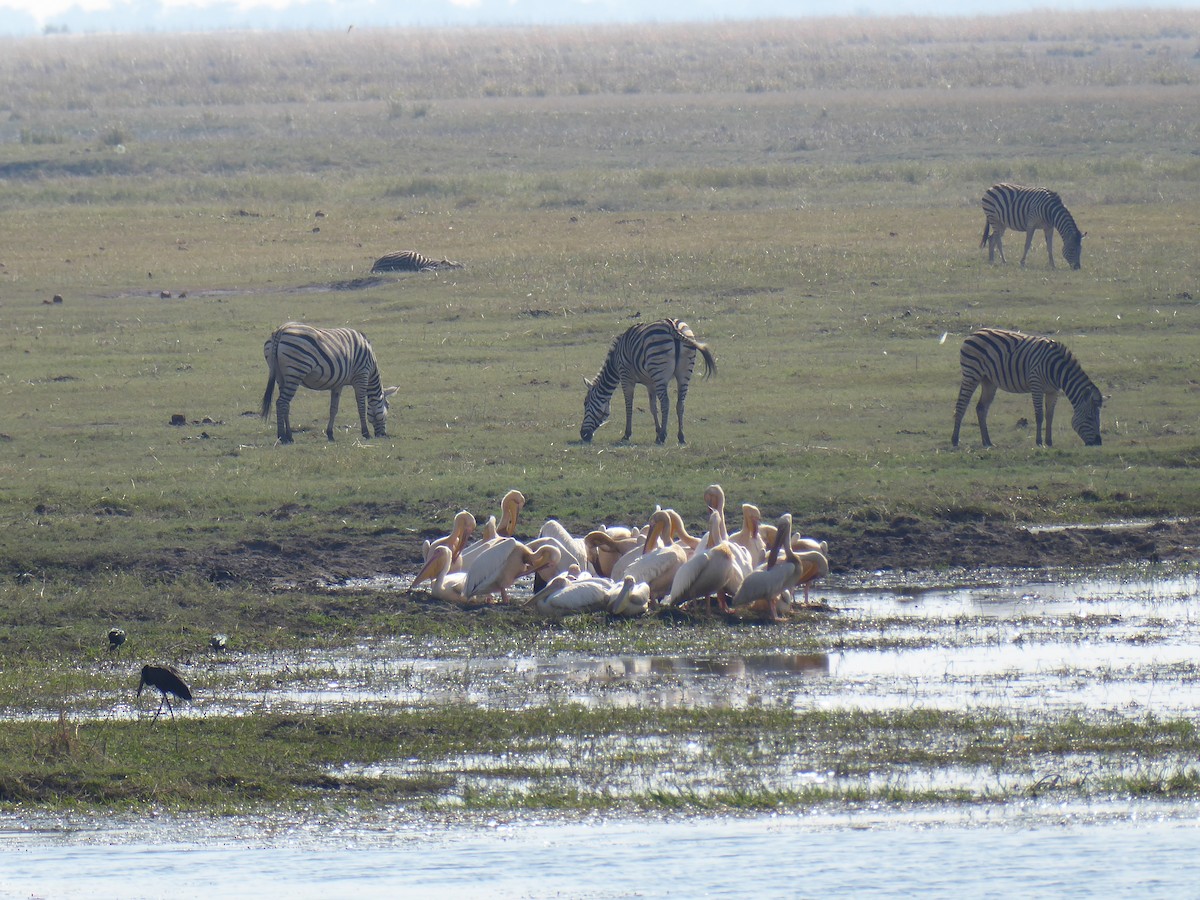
[24, 17]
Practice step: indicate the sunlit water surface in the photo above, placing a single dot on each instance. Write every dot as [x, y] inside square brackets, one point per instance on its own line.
[1037, 853]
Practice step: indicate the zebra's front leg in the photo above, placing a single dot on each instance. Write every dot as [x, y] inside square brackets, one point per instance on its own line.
[986, 395]
[1028, 243]
[360, 397]
[335, 397]
[628, 389]
[1048, 400]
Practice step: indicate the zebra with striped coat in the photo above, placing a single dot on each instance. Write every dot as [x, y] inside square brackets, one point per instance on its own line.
[1028, 209]
[1026, 364]
[651, 353]
[323, 359]
[411, 261]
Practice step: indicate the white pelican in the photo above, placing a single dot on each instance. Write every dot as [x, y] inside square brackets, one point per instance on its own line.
[446, 585]
[456, 540]
[573, 550]
[750, 535]
[510, 510]
[487, 538]
[496, 567]
[564, 596]
[718, 569]
[660, 558]
[606, 546]
[799, 544]
[679, 533]
[772, 584]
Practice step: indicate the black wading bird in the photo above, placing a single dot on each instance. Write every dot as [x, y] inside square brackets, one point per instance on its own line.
[168, 682]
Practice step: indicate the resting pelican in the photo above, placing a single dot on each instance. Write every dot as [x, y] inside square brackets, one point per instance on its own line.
[606, 546]
[660, 558]
[564, 596]
[496, 568]
[772, 584]
[573, 551]
[719, 569]
[456, 540]
[446, 585]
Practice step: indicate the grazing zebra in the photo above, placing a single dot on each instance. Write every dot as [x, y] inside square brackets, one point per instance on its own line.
[1028, 209]
[323, 359]
[1026, 364]
[652, 354]
[411, 261]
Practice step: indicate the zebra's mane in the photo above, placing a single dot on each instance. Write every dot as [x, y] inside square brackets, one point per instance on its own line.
[607, 378]
[1066, 221]
[1076, 385]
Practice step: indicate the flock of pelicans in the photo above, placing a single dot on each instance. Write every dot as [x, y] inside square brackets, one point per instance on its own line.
[624, 570]
[617, 570]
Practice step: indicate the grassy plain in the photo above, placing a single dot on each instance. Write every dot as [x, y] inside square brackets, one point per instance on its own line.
[805, 194]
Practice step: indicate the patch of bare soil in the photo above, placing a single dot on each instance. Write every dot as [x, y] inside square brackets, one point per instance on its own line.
[904, 543]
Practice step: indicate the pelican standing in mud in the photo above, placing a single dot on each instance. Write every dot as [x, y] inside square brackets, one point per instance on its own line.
[770, 586]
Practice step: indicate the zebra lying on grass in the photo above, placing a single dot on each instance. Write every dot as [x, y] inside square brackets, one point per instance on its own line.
[1026, 364]
[651, 354]
[323, 359]
[1028, 209]
[411, 261]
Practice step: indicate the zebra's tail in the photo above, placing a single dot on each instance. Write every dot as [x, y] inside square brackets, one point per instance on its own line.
[710, 361]
[987, 230]
[272, 364]
[266, 404]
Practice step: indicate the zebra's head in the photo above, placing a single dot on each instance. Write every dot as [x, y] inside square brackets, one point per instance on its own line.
[1073, 248]
[378, 410]
[1086, 420]
[595, 410]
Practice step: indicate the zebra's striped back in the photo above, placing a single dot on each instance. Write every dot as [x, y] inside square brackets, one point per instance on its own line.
[1028, 209]
[411, 261]
[324, 359]
[652, 354]
[1026, 364]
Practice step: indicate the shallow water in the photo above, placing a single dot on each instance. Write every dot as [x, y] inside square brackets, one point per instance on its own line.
[1044, 852]
[1013, 642]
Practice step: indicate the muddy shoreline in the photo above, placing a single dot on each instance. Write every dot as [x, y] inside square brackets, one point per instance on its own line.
[903, 544]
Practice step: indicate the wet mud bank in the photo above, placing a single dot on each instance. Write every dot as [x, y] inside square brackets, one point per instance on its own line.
[901, 544]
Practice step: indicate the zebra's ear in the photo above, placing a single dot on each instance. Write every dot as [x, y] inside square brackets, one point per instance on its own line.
[388, 391]
[1082, 235]
[588, 381]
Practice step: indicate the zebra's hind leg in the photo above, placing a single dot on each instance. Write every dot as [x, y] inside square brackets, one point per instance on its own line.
[679, 403]
[283, 421]
[662, 415]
